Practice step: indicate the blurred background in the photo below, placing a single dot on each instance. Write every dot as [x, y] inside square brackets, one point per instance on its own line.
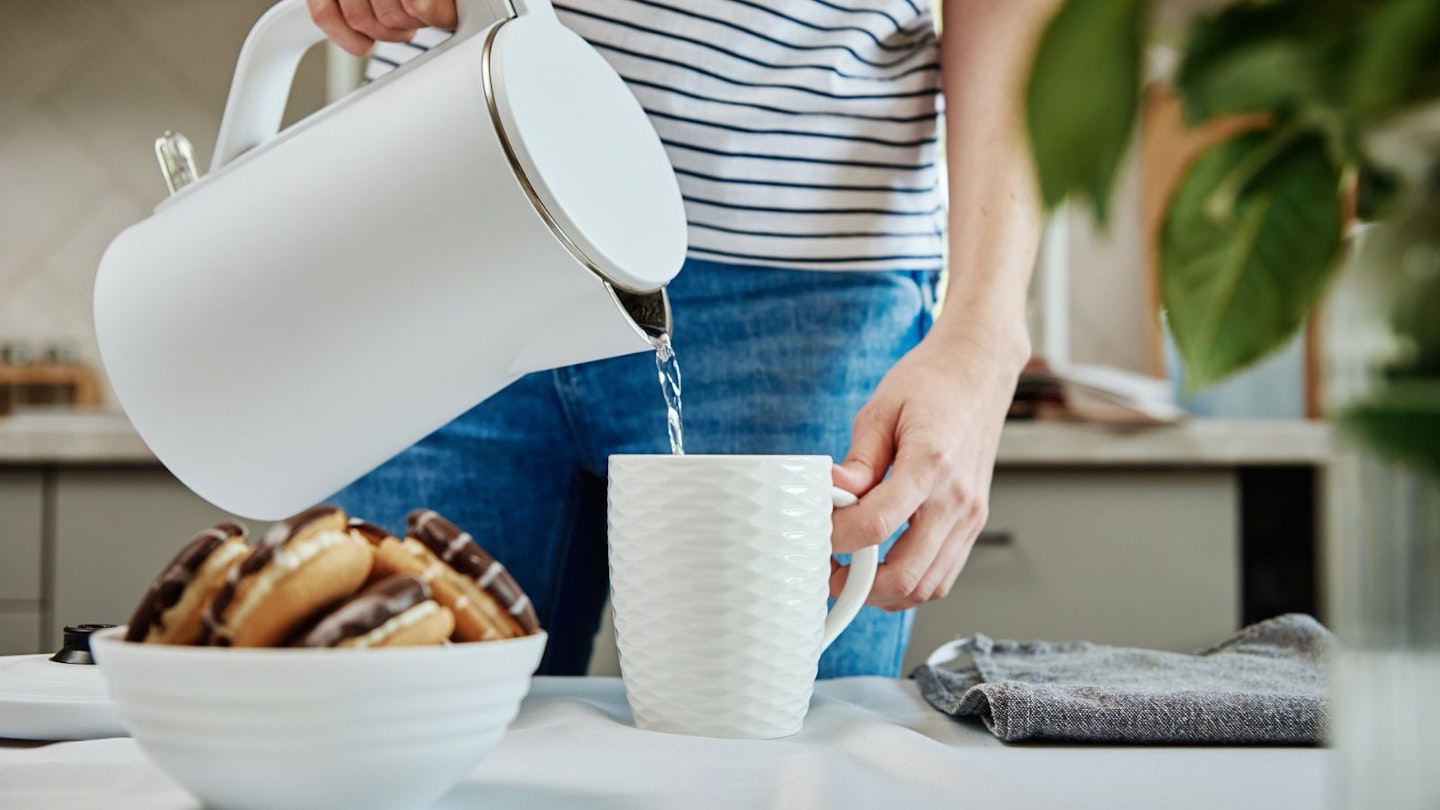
[1123, 511]
[91, 85]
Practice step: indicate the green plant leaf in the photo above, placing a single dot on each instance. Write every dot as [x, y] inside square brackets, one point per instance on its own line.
[1287, 59]
[1237, 280]
[1397, 59]
[1401, 421]
[1402, 255]
[1247, 58]
[1082, 97]
[1377, 192]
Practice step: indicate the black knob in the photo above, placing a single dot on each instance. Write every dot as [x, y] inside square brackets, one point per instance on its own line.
[77, 644]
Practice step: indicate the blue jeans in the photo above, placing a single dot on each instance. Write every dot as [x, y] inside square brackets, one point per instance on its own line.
[773, 361]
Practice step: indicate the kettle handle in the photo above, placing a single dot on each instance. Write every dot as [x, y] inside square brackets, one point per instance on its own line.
[272, 51]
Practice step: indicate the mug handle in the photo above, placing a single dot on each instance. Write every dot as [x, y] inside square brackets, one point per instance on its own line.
[272, 51]
[857, 585]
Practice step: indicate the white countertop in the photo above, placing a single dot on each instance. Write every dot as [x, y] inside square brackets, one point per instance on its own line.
[106, 437]
[1201, 442]
[868, 743]
[80, 437]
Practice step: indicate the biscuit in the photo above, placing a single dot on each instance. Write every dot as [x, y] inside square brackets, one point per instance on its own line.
[172, 610]
[487, 601]
[394, 612]
[303, 566]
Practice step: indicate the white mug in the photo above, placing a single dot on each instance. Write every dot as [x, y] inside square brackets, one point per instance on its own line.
[719, 575]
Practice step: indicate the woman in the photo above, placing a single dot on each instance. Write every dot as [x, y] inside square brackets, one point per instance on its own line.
[804, 137]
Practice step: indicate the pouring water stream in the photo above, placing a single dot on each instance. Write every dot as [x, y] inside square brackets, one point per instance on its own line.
[668, 370]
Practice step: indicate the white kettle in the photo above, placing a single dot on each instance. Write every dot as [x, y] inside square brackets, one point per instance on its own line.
[330, 294]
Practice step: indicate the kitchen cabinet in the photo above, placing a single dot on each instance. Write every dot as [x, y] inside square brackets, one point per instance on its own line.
[1146, 558]
[1134, 558]
[115, 528]
[1168, 538]
[20, 632]
[22, 509]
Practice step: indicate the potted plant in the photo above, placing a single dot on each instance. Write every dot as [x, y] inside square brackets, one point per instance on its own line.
[1343, 103]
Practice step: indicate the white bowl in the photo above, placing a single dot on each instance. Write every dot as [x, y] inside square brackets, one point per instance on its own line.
[297, 728]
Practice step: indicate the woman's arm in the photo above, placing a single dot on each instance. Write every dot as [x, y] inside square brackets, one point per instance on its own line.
[936, 416]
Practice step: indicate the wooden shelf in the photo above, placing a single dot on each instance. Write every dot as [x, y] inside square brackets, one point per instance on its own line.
[82, 381]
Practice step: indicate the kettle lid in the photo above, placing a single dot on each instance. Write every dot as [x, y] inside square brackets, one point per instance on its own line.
[594, 165]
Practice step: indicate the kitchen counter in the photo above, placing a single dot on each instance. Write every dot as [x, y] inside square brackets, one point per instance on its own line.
[79, 437]
[1200, 443]
[106, 437]
[868, 743]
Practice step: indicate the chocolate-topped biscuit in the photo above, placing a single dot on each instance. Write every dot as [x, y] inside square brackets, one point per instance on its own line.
[169, 611]
[393, 611]
[303, 565]
[315, 519]
[372, 533]
[460, 551]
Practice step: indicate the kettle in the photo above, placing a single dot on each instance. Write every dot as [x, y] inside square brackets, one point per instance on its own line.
[330, 294]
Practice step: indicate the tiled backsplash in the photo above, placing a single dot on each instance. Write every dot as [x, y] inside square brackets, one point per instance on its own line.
[85, 86]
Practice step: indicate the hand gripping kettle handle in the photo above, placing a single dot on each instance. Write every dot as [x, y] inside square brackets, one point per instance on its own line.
[272, 51]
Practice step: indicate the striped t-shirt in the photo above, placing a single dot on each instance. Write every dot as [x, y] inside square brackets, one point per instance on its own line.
[803, 132]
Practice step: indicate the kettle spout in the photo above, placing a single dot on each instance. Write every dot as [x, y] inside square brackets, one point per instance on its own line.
[595, 326]
[649, 311]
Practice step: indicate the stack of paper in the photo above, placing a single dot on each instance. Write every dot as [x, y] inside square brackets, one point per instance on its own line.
[1094, 394]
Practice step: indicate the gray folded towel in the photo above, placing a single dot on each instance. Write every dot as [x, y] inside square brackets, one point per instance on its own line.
[1264, 685]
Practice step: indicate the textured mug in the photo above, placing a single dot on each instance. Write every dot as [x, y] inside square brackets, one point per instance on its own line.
[719, 575]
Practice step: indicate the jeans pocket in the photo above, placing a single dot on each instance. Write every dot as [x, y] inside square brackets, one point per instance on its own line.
[928, 282]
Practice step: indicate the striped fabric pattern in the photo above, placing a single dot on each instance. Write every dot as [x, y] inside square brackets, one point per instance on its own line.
[803, 132]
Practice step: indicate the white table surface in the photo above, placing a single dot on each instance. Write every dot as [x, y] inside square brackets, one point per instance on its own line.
[867, 743]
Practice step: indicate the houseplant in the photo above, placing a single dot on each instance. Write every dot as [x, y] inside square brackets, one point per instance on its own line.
[1252, 235]
[1342, 100]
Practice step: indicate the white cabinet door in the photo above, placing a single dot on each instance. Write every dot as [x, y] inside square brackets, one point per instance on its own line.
[1134, 558]
[115, 528]
[20, 632]
[22, 513]
[22, 508]
[1141, 558]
